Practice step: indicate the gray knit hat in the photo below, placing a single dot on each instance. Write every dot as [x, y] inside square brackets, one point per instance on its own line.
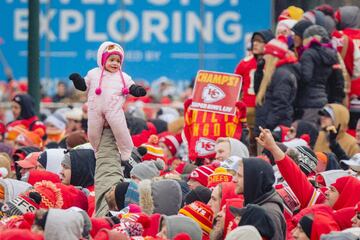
[339, 236]
[181, 224]
[147, 169]
[316, 30]
[67, 160]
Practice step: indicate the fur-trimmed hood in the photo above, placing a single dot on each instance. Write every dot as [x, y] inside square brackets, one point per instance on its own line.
[163, 196]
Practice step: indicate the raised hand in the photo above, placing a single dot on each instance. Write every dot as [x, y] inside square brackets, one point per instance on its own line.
[332, 133]
[78, 81]
[266, 139]
[137, 91]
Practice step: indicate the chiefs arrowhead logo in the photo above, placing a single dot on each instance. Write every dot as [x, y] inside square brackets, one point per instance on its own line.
[212, 93]
[205, 146]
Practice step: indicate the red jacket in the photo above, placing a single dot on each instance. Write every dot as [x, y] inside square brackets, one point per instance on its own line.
[340, 37]
[299, 184]
[348, 187]
[246, 68]
[323, 223]
[31, 124]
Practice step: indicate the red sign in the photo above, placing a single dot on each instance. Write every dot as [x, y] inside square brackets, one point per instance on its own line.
[203, 128]
[216, 92]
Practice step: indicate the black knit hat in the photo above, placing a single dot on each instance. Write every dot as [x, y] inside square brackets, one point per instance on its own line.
[300, 27]
[120, 191]
[267, 35]
[305, 158]
[200, 193]
[306, 225]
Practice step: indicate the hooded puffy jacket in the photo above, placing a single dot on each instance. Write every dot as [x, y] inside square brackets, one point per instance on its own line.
[316, 68]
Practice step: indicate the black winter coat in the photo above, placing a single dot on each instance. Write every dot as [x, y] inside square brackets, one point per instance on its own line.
[277, 108]
[316, 67]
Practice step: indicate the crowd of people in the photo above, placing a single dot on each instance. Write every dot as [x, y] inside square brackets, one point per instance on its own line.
[285, 166]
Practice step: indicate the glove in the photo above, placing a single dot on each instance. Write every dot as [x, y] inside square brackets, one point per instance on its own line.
[332, 134]
[78, 81]
[137, 91]
[127, 168]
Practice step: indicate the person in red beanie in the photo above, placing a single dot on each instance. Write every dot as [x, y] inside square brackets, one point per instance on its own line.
[277, 91]
[170, 145]
[200, 176]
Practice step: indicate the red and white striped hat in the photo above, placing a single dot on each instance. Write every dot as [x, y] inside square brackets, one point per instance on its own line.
[172, 142]
[201, 174]
[154, 151]
[277, 47]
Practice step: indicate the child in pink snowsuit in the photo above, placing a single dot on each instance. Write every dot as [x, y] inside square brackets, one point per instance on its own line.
[107, 87]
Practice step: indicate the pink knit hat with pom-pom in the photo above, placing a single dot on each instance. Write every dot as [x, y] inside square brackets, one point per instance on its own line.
[112, 49]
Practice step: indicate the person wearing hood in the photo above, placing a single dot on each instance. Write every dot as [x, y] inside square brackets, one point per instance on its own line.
[107, 87]
[254, 179]
[345, 40]
[316, 68]
[341, 194]
[57, 224]
[256, 216]
[348, 23]
[23, 109]
[147, 170]
[277, 91]
[322, 18]
[158, 196]
[227, 147]
[334, 119]
[347, 17]
[55, 125]
[78, 169]
[220, 194]
[170, 226]
[246, 68]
